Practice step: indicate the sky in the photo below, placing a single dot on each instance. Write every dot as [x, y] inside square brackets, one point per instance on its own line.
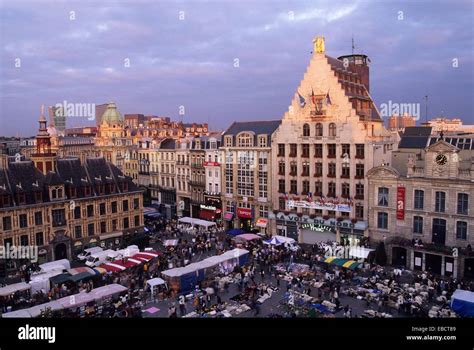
[225, 61]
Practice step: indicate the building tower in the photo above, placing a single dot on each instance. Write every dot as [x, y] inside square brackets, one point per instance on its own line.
[44, 159]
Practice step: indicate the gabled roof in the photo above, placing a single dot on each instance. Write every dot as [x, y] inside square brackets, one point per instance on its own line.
[52, 178]
[257, 127]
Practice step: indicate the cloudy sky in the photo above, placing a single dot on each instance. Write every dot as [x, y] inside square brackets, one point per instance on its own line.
[184, 54]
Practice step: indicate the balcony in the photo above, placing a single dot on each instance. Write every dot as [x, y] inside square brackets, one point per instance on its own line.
[280, 154]
[345, 176]
[318, 174]
[331, 175]
[293, 173]
[359, 196]
[359, 156]
[305, 173]
[332, 156]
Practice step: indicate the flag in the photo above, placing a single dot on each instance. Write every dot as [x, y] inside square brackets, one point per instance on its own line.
[313, 97]
[286, 195]
[328, 99]
[302, 100]
[310, 197]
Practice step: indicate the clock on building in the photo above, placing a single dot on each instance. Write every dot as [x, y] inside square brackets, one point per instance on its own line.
[441, 159]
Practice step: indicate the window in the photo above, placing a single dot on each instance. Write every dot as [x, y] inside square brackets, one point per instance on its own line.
[262, 175]
[114, 225]
[418, 225]
[332, 130]
[262, 141]
[39, 239]
[360, 151]
[318, 188]
[228, 141]
[281, 168]
[77, 212]
[125, 205]
[463, 203]
[281, 150]
[293, 150]
[114, 207]
[359, 211]
[78, 231]
[293, 169]
[102, 208]
[332, 189]
[305, 186]
[318, 150]
[263, 211]
[319, 129]
[90, 229]
[281, 203]
[318, 169]
[305, 150]
[136, 220]
[7, 223]
[461, 230]
[331, 150]
[360, 171]
[382, 221]
[38, 218]
[59, 217]
[281, 186]
[126, 223]
[103, 227]
[136, 203]
[346, 150]
[90, 210]
[440, 201]
[305, 169]
[306, 130]
[383, 197]
[24, 240]
[245, 140]
[23, 219]
[345, 190]
[332, 170]
[293, 187]
[359, 191]
[245, 173]
[419, 199]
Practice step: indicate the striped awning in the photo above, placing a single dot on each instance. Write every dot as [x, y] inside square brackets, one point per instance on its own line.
[349, 264]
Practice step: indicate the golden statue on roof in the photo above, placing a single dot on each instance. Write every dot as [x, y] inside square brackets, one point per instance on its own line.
[319, 44]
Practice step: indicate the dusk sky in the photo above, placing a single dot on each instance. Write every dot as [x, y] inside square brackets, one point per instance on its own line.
[190, 62]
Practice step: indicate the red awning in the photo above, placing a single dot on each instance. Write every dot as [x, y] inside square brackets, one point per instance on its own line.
[228, 216]
[207, 214]
[127, 264]
[112, 267]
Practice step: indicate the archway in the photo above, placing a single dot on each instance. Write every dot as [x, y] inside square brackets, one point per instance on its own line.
[60, 251]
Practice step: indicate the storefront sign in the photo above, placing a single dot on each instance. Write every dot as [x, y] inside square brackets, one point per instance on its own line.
[244, 213]
[329, 205]
[261, 222]
[317, 227]
[208, 207]
[417, 261]
[211, 164]
[401, 203]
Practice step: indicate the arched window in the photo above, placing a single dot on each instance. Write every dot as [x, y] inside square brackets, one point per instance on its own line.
[319, 129]
[245, 140]
[305, 130]
[332, 129]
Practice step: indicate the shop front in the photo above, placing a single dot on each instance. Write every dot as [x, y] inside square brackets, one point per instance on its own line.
[262, 224]
[210, 213]
[439, 264]
[312, 230]
[111, 240]
[244, 216]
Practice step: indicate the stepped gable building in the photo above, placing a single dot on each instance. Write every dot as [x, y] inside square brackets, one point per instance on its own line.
[331, 135]
[72, 207]
[246, 173]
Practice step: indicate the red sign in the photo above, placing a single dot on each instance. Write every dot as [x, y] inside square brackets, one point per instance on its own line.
[244, 213]
[211, 164]
[401, 203]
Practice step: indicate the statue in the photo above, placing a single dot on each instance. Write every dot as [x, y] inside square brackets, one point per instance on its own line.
[319, 44]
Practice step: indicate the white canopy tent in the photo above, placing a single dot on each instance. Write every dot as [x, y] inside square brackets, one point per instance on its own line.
[360, 252]
[63, 264]
[155, 282]
[197, 222]
[12, 288]
[17, 314]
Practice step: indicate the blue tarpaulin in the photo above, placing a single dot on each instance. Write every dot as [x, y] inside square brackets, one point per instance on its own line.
[462, 303]
[235, 232]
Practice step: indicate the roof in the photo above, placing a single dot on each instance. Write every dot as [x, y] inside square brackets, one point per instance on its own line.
[168, 144]
[415, 137]
[52, 178]
[111, 114]
[257, 127]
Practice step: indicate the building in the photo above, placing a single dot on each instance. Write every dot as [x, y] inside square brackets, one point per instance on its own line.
[197, 181]
[166, 156]
[246, 152]
[183, 177]
[331, 135]
[212, 207]
[400, 122]
[134, 120]
[73, 206]
[57, 119]
[422, 206]
[446, 125]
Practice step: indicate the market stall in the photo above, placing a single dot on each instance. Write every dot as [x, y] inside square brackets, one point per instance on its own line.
[155, 283]
[346, 263]
[462, 302]
[13, 288]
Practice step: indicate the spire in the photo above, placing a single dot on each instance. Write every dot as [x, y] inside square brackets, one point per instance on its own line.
[42, 118]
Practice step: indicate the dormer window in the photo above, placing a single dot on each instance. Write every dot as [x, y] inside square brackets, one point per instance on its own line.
[124, 186]
[262, 141]
[72, 192]
[21, 198]
[38, 196]
[245, 140]
[56, 193]
[228, 141]
[5, 201]
[87, 190]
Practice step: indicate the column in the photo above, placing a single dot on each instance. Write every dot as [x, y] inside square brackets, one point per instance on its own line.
[412, 259]
[423, 262]
[443, 264]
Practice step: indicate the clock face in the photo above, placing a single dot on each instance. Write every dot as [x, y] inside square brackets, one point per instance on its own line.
[441, 159]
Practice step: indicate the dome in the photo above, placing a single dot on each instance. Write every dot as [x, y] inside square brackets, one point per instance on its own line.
[111, 114]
